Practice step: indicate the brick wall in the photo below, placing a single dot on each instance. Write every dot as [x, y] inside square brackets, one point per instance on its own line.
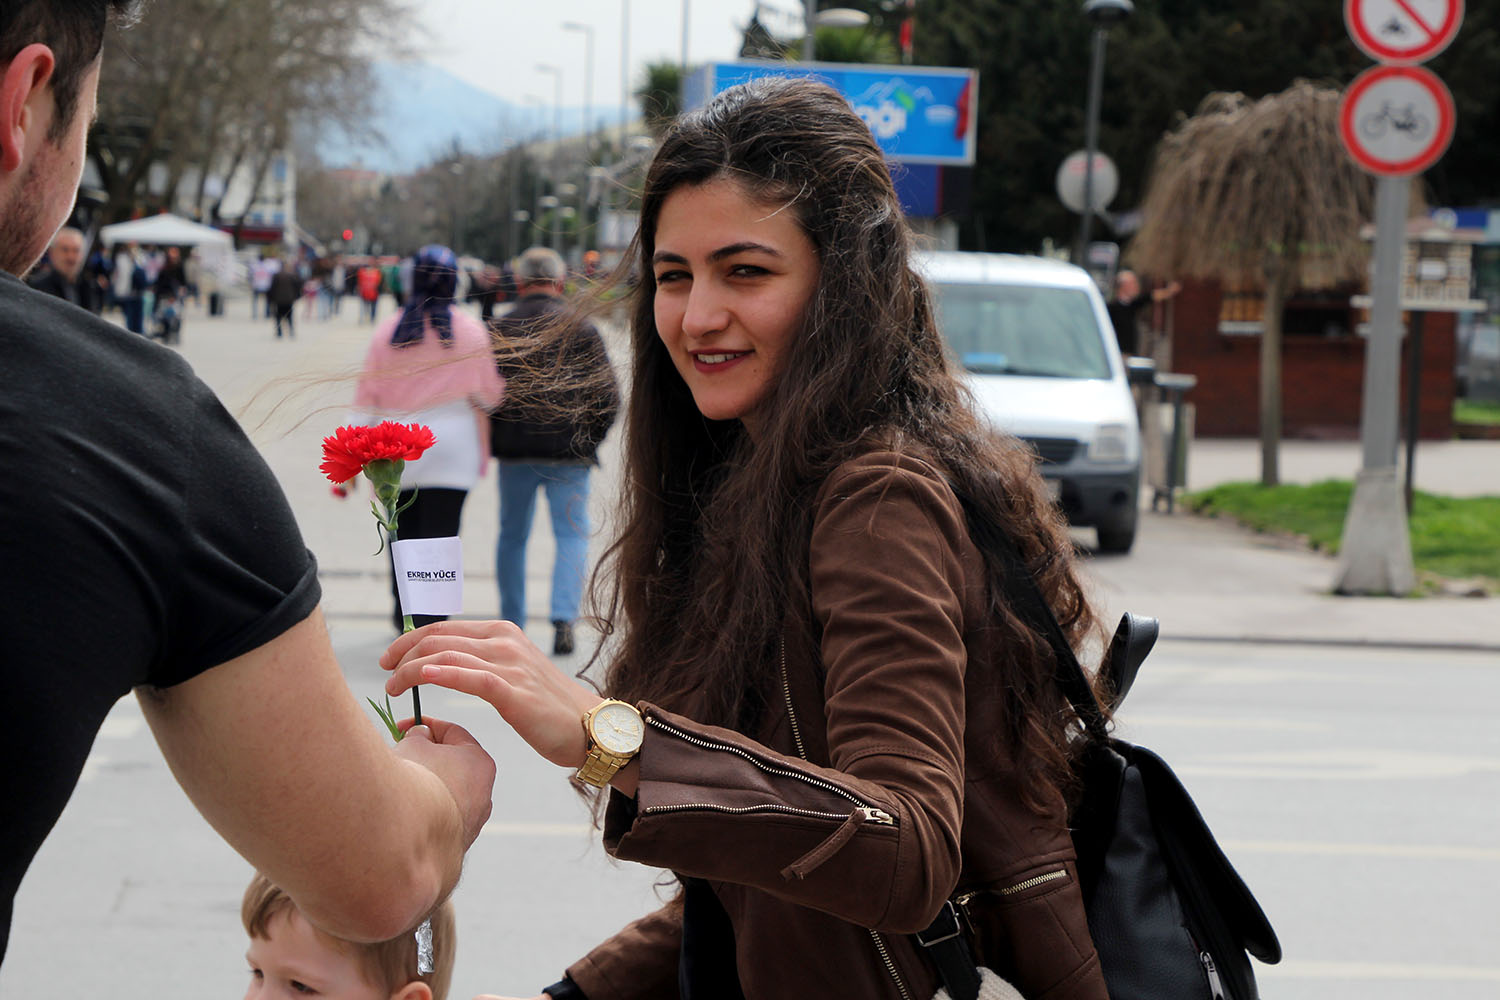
[1322, 377]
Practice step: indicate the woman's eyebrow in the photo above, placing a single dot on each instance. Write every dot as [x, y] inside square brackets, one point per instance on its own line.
[744, 247]
[665, 256]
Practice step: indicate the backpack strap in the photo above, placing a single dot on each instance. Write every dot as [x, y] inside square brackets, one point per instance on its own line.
[1021, 587]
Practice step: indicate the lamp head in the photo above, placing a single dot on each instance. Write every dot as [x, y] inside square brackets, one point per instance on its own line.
[1107, 13]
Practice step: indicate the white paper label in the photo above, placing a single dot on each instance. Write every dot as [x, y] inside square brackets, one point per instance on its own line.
[429, 575]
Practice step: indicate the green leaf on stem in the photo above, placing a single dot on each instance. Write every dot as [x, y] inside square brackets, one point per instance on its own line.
[388, 716]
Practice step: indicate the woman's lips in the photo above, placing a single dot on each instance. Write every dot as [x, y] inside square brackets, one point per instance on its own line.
[717, 361]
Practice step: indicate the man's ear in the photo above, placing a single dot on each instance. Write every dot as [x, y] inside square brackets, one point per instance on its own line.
[415, 990]
[28, 73]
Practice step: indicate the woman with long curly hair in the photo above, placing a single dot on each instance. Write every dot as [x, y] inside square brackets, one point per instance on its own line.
[825, 717]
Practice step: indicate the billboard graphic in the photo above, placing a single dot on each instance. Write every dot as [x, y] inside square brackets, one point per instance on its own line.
[918, 114]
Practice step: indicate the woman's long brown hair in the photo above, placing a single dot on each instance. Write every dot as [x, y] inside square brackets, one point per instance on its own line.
[713, 530]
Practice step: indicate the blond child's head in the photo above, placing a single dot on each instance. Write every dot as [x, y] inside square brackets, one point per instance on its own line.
[289, 957]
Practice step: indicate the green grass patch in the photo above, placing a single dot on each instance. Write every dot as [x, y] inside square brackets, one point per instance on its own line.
[1450, 536]
[1476, 411]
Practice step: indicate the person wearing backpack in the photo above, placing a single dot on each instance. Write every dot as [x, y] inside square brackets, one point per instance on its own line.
[819, 708]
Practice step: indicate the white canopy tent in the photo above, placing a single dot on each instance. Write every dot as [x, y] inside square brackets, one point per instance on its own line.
[168, 230]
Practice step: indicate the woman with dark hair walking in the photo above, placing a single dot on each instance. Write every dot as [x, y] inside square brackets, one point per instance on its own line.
[824, 715]
[431, 364]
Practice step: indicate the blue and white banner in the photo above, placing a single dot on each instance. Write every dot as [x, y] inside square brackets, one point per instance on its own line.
[918, 114]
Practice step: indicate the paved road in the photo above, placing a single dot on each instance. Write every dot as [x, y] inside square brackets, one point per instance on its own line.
[1344, 755]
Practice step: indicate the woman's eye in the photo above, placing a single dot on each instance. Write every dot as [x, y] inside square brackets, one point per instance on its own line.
[301, 987]
[667, 277]
[747, 271]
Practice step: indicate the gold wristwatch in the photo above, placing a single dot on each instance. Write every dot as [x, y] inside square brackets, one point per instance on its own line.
[614, 730]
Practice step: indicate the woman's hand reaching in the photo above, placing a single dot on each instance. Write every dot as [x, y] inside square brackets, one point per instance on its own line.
[495, 661]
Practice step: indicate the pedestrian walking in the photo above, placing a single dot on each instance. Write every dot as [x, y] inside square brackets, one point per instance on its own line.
[262, 270]
[282, 295]
[129, 287]
[432, 364]
[540, 450]
[150, 551]
[823, 712]
[368, 281]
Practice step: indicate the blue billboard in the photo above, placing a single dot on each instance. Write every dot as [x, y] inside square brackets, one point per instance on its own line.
[919, 114]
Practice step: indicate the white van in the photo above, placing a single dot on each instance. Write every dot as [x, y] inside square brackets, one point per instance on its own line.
[1035, 338]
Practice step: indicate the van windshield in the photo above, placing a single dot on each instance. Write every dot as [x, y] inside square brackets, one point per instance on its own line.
[997, 329]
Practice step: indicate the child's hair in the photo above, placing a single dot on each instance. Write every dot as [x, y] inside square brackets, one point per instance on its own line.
[387, 965]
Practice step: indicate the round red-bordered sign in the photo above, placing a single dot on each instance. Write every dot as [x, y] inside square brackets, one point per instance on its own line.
[1403, 31]
[1397, 120]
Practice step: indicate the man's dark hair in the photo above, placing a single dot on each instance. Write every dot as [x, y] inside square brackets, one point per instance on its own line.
[73, 29]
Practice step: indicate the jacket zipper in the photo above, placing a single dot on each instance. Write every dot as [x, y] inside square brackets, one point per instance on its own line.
[1030, 883]
[791, 714]
[871, 813]
[890, 966]
[1215, 984]
[963, 900]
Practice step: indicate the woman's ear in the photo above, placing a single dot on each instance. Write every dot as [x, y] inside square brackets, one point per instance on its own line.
[415, 990]
[21, 81]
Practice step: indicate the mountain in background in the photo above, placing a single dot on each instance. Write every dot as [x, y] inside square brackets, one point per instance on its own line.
[420, 109]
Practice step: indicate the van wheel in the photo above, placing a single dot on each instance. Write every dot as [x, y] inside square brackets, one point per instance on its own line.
[1116, 538]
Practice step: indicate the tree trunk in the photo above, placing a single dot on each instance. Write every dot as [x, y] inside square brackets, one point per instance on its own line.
[1270, 378]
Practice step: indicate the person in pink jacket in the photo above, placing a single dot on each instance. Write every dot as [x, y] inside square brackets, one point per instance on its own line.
[432, 364]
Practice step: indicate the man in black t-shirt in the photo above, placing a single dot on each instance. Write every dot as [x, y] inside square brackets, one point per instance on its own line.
[145, 546]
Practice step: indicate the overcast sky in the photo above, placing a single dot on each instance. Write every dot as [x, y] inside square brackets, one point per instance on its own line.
[497, 44]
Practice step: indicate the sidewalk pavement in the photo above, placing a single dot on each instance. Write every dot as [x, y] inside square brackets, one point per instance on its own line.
[1211, 579]
[1204, 579]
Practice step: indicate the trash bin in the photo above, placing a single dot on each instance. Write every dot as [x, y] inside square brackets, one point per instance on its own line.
[1167, 440]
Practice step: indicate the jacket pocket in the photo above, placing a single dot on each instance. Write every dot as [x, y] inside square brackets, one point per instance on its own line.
[1031, 929]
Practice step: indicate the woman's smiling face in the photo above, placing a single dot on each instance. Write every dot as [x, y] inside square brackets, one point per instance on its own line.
[733, 278]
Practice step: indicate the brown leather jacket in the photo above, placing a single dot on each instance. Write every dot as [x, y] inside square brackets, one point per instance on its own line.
[826, 865]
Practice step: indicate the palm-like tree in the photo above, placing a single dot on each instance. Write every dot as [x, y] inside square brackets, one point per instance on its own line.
[1260, 194]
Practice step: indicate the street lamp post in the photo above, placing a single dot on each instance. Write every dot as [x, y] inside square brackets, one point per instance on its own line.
[624, 72]
[557, 77]
[588, 114]
[828, 17]
[1103, 15]
[536, 176]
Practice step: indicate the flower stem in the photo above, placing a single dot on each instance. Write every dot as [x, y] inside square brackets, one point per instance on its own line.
[406, 622]
[416, 692]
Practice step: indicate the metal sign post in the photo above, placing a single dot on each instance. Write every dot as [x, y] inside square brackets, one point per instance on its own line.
[1375, 557]
[1396, 121]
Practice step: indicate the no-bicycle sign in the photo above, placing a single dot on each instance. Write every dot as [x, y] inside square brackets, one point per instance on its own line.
[1403, 31]
[1396, 120]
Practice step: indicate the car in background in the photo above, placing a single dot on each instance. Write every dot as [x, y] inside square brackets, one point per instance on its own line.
[1034, 337]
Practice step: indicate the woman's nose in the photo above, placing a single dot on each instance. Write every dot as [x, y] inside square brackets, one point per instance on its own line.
[705, 312]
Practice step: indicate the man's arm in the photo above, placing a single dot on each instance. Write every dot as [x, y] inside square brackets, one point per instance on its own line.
[277, 755]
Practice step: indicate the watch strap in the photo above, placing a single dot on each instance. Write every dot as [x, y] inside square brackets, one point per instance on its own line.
[600, 766]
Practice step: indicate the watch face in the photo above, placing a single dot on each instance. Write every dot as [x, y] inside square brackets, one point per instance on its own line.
[617, 729]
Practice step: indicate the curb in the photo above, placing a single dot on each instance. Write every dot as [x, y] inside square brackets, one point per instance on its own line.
[1418, 645]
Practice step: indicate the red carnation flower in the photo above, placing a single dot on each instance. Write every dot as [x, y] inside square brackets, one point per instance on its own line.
[381, 453]
[348, 450]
